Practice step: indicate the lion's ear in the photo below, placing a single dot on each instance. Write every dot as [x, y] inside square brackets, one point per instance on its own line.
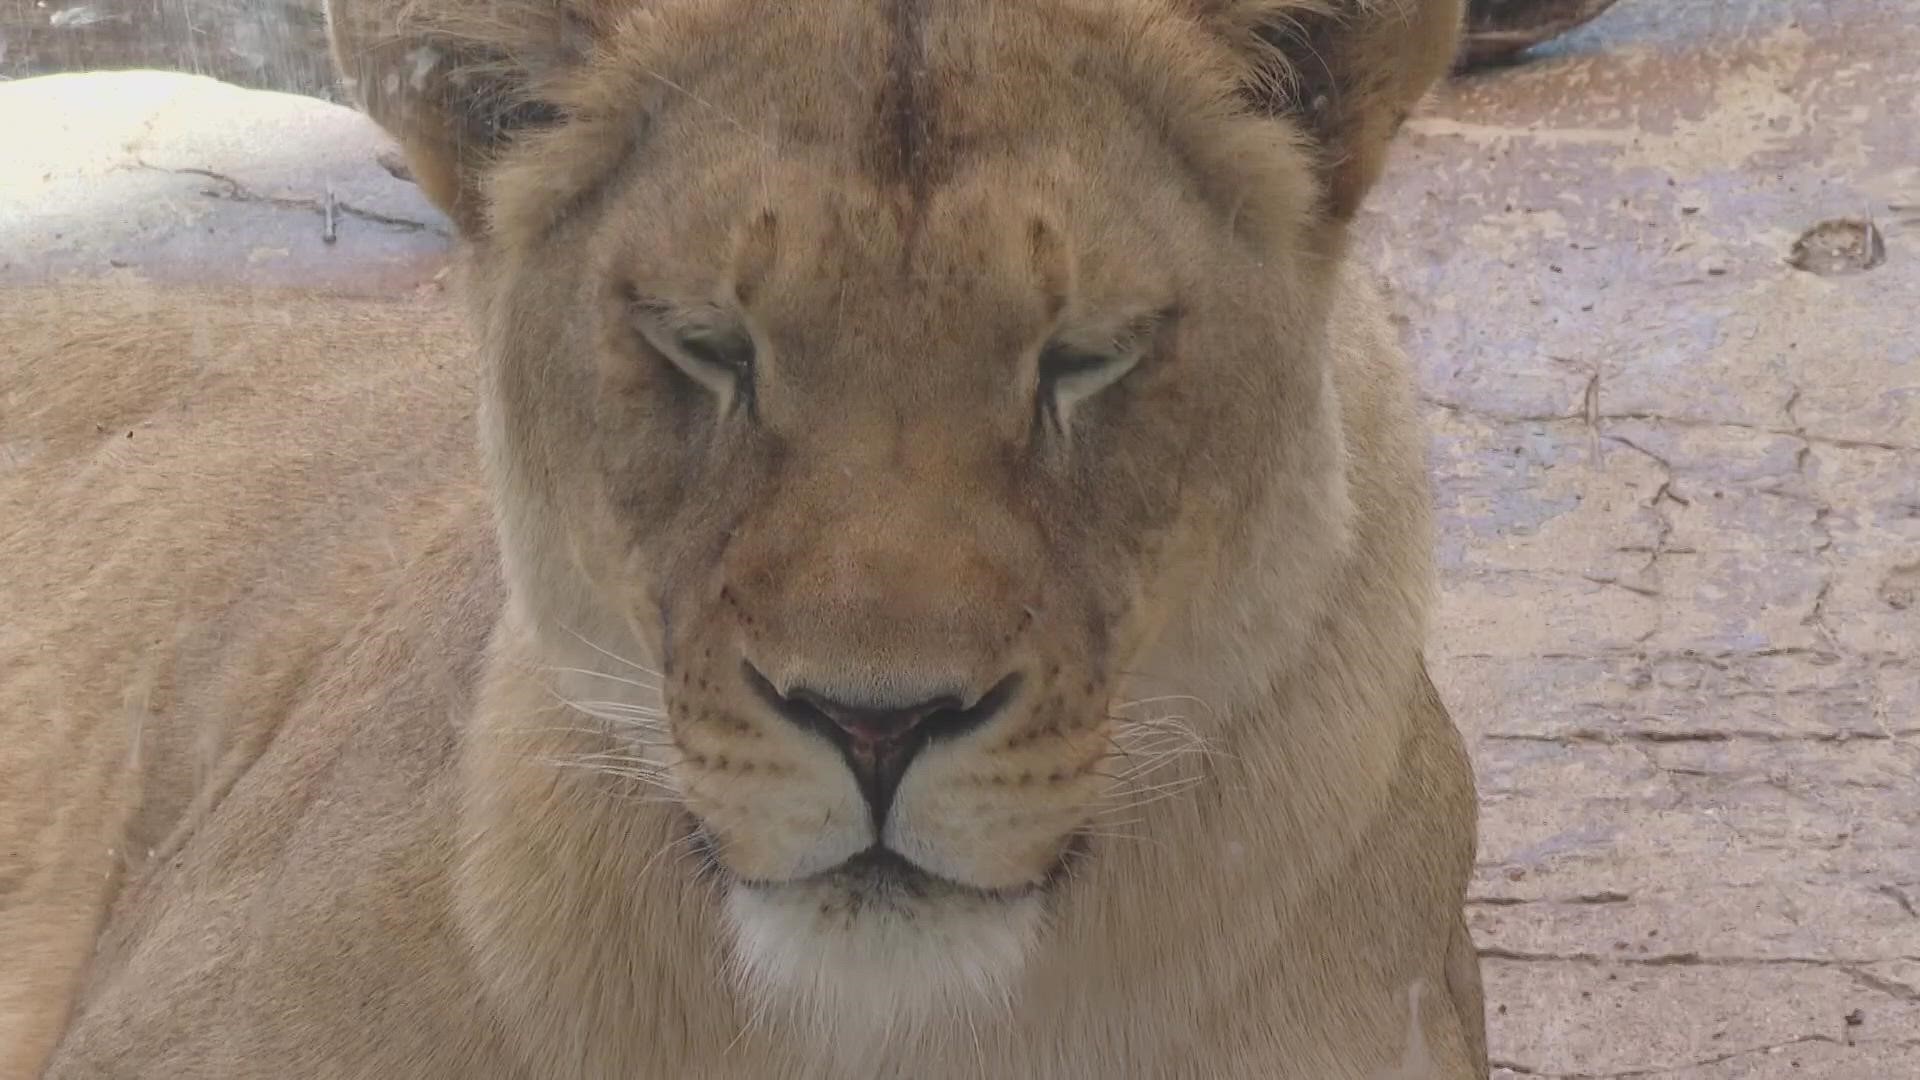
[455, 80]
[1347, 71]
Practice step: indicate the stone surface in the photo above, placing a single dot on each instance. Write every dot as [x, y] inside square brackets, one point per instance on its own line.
[1679, 493]
[262, 44]
[1678, 484]
[180, 177]
[1499, 29]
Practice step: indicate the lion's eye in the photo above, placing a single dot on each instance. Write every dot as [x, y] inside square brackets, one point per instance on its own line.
[1070, 374]
[1071, 371]
[707, 347]
[722, 352]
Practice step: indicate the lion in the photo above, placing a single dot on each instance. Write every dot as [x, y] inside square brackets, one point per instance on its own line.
[938, 589]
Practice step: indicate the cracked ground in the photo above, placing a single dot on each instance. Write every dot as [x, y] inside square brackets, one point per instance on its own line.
[1677, 480]
[1678, 492]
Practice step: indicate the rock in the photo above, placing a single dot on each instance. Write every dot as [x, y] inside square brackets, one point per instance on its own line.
[1677, 492]
[1497, 29]
[264, 44]
[181, 177]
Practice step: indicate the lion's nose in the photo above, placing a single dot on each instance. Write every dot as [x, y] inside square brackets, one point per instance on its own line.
[880, 739]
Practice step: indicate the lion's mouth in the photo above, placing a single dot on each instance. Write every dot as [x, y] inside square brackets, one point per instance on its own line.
[880, 874]
[884, 874]
[880, 871]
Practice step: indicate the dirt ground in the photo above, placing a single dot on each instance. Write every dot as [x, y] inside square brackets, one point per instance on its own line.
[1663, 286]
[1679, 492]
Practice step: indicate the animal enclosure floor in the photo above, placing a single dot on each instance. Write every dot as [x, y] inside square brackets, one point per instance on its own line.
[1678, 484]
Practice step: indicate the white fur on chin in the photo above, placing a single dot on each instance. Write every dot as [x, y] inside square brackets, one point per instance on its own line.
[870, 971]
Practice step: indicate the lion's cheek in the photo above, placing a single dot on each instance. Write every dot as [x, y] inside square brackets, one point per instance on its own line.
[779, 821]
[973, 820]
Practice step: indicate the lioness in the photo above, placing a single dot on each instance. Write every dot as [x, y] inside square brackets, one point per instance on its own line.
[941, 593]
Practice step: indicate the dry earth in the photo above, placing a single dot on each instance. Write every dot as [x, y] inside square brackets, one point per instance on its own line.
[1679, 493]
[1678, 480]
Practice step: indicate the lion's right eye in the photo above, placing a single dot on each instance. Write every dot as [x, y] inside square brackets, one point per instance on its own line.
[1070, 375]
[724, 353]
[707, 347]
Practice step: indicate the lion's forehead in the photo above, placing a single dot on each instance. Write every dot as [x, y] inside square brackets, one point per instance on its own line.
[923, 135]
[911, 94]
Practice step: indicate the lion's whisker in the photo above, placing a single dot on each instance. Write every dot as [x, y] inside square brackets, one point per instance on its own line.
[1149, 767]
[631, 717]
[614, 758]
[1160, 753]
[1157, 743]
[1132, 741]
[1153, 793]
[1130, 783]
[624, 729]
[601, 733]
[615, 657]
[618, 708]
[1156, 725]
[1136, 838]
[591, 673]
[685, 843]
[1159, 698]
[650, 776]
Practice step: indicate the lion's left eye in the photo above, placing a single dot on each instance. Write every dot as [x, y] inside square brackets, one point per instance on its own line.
[1071, 371]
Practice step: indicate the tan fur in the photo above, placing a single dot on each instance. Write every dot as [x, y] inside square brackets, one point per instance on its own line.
[329, 747]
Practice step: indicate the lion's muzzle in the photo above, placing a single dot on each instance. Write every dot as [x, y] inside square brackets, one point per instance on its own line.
[880, 739]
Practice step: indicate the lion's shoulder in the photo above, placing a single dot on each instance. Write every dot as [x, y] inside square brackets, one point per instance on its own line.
[216, 505]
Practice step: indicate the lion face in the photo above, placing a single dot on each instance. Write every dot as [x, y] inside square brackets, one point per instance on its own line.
[901, 388]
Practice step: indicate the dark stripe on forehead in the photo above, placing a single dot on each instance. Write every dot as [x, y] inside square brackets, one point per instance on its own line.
[904, 143]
